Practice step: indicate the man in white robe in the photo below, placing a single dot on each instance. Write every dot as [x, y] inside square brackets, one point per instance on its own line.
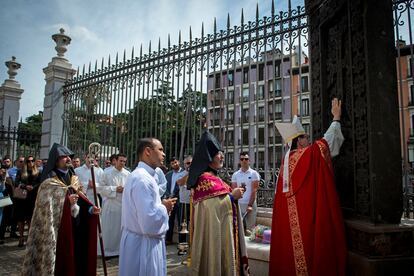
[144, 216]
[84, 174]
[111, 188]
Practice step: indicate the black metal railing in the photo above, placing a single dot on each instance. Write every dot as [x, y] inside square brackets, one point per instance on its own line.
[15, 142]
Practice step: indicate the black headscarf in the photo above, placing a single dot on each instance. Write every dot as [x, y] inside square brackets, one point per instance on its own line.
[55, 152]
[204, 154]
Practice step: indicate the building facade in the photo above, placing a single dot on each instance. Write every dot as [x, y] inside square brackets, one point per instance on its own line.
[245, 101]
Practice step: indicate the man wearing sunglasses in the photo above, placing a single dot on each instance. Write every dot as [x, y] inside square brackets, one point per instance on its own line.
[248, 179]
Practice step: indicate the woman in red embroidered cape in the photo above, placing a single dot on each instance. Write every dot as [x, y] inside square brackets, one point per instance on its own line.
[307, 226]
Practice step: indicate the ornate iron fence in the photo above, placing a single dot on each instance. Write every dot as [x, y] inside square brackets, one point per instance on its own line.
[15, 142]
[172, 93]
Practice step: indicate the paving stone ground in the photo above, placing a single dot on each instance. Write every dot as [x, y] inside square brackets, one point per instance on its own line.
[11, 258]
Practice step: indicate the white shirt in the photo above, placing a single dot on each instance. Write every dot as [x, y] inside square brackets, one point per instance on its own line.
[247, 178]
[84, 175]
[161, 180]
[184, 192]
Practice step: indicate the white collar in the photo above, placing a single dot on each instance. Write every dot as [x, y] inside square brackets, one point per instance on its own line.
[145, 166]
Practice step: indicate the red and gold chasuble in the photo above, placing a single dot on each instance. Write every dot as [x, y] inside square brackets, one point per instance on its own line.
[307, 227]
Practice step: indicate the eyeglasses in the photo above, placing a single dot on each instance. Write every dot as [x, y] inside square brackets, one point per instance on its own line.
[244, 159]
[188, 163]
[31, 161]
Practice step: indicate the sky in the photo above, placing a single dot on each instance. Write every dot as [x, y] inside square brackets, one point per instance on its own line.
[99, 28]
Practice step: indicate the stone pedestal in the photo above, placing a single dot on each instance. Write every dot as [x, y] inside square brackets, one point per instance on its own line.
[353, 57]
[58, 71]
[380, 249]
[10, 95]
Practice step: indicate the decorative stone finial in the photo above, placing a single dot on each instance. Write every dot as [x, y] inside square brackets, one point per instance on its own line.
[62, 41]
[13, 66]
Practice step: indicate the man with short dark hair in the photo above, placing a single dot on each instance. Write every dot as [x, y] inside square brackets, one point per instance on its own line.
[144, 216]
[173, 191]
[113, 160]
[85, 177]
[111, 188]
[248, 179]
[76, 162]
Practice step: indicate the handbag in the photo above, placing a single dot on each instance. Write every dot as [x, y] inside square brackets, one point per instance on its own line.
[5, 201]
[19, 193]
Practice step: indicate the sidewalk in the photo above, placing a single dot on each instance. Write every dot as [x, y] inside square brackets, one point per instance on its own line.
[11, 258]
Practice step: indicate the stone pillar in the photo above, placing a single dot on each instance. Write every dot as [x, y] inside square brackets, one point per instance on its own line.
[353, 57]
[58, 71]
[10, 95]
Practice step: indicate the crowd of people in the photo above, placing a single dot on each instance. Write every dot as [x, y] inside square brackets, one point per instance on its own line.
[140, 210]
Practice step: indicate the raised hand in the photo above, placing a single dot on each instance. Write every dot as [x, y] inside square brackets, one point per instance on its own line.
[336, 109]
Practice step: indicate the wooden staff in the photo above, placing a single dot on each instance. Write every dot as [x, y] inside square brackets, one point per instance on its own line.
[94, 149]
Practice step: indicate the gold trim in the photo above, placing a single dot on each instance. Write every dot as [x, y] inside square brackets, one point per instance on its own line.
[297, 242]
[290, 138]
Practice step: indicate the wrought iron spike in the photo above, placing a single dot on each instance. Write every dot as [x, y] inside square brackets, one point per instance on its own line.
[228, 20]
[83, 70]
[215, 25]
[191, 34]
[149, 47]
[242, 17]
[116, 58]
[96, 65]
[289, 5]
[179, 37]
[132, 53]
[124, 55]
[140, 51]
[109, 60]
[102, 63]
[77, 73]
[257, 11]
[202, 30]
[89, 68]
[273, 8]
[159, 43]
[169, 40]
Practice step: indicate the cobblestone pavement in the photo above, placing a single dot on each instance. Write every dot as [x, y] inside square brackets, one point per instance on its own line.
[11, 257]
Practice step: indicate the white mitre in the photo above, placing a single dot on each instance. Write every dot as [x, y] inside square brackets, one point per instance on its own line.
[289, 131]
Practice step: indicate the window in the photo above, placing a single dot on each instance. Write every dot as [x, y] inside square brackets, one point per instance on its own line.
[230, 137]
[278, 88]
[230, 97]
[270, 87]
[230, 159]
[412, 94]
[245, 115]
[261, 136]
[277, 70]
[245, 136]
[411, 67]
[230, 78]
[217, 85]
[306, 127]
[412, 125]
[305, 107]
[245, 94]
[230, 115]
[261, 72]
[245, 75]
[305, 84]
[261, 113]
[260, 92]
[261, 160]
